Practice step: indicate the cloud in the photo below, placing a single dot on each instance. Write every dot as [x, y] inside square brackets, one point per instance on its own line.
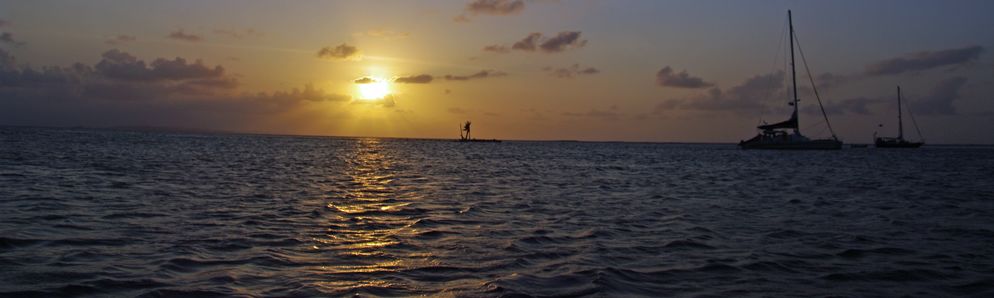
[238, 34]
[46, 79]
[925, 60]
[529, 43]
[165, 95]
[183, 36]
[609, 115]
[563, 41]
[388, 101]
[309, 93]
[118, 76]
[123, 66]
[495, 7]
[571, 71]
[829, 80]
[120, 39]
[857, 106]
[461, 111]
[666, 77]
[496, 49]
[537, 42]
[364, 80]
[479, 75]
[5, 23]
[340, 52]
[940, 100]
[7, 37]
[6, 60]
[427, 78]
[382, 33]
[751, 95]
[415, 79]
[491, 8]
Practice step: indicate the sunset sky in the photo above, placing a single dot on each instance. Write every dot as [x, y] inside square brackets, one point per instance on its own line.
[670, 71]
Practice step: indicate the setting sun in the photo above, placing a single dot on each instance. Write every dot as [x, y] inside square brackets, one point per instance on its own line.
[375, 89]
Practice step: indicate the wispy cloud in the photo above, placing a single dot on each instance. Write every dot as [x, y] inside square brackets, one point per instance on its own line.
[309, 93]
[183, 36]
[415, 79]
[340, 52]
[382, 33]
[570, 71]
[925, 60]
[855, 106]
[752, 95]
[605, 115]
[478, 75]
[238, 33]
[120, 39]
[388, 101]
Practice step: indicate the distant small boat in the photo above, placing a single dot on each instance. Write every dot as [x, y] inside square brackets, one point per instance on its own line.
[786, 135]
[479, 140]
[899, 141]
[464, 135]
[859, 145]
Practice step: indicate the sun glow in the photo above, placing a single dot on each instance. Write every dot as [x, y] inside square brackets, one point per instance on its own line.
[376, 89]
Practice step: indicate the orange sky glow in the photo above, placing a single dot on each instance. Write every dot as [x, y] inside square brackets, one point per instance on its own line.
[669, 71]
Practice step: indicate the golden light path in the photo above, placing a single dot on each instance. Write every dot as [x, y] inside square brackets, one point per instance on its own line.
[371, 219]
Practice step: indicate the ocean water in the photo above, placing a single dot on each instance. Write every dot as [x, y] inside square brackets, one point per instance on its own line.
[111, 213]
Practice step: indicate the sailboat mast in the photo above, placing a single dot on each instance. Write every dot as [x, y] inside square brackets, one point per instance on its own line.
[793, 72]
[900, 122]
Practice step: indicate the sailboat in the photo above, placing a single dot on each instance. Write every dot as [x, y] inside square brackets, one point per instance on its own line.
[899, 141]
[786, 134]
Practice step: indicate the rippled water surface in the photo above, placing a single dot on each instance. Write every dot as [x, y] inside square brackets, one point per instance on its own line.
[104, 213]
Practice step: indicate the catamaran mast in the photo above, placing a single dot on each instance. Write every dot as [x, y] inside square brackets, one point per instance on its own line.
[900, 122]
[793, 72]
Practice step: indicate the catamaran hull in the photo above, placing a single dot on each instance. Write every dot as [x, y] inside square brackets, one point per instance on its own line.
[806, 145]
[899, 145]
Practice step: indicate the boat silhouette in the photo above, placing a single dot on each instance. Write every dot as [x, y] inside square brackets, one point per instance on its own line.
[786, 135]
[899, 141]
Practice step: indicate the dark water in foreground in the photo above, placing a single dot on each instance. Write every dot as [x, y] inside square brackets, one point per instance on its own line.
[102, 213]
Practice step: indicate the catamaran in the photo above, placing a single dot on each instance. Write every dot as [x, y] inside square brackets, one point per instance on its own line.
[899, 141]
[787, 134]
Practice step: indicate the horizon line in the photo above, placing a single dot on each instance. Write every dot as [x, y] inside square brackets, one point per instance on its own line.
[187, 130]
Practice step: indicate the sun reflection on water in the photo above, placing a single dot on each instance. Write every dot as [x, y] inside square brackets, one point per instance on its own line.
[370, 216]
